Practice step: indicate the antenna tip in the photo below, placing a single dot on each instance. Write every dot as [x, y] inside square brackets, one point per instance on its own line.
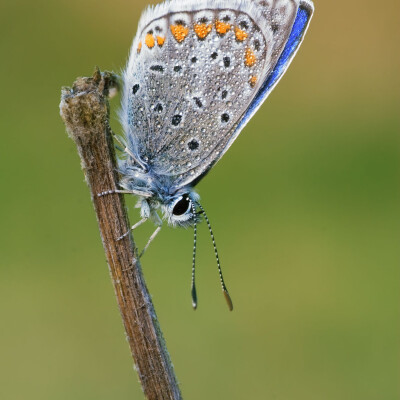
[194, 297]
[228, 300]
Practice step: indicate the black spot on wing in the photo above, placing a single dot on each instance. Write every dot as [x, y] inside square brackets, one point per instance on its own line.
[157, 68]
[198, 102]
[135, 88]
[176, 120]
[193, 144]
[225, 117]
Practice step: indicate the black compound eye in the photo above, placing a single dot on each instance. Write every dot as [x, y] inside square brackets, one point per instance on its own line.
[182, 206]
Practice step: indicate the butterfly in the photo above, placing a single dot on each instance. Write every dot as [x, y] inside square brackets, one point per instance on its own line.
[198, 71]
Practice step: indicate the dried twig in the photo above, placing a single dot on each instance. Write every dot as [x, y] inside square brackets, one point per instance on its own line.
[85, 111]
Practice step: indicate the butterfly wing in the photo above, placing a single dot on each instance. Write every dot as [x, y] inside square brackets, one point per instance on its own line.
[198, 71]
[297, 32]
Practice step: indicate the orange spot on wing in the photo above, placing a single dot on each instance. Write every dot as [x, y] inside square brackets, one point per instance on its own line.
[139, 48]
[250, 58]
[202, 30]
[179, 32]
[150, 41]
[160, 40]
[253, 81]
[222, 27]
[240, 35]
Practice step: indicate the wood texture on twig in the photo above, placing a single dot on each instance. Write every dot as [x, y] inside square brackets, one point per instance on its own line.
[85, 111]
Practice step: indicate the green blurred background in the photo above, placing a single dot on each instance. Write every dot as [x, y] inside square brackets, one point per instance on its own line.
[305, 208]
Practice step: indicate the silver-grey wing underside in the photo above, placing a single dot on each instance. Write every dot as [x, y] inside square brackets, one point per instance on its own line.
[194, 69]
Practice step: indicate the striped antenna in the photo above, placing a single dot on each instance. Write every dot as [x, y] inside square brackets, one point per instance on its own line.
[224, 289]
[194, 294]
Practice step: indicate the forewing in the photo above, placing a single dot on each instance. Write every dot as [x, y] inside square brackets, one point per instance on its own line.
[195, 70]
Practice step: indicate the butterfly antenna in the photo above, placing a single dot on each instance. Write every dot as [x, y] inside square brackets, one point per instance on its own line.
[194, 294]
[224, 289]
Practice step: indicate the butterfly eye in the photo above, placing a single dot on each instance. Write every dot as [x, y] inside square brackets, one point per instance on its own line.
[182, 206]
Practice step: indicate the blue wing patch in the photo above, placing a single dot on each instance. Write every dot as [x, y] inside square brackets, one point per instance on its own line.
[300, 25]
[299, 28]
[292, 44]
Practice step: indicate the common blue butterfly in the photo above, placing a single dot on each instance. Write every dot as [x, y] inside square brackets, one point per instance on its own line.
[197, 72]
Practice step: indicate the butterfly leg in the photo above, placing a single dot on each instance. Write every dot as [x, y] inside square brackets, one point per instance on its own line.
[124, 148]
[142, 221]
[152, 237]
[135, 192]
[105, 193]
